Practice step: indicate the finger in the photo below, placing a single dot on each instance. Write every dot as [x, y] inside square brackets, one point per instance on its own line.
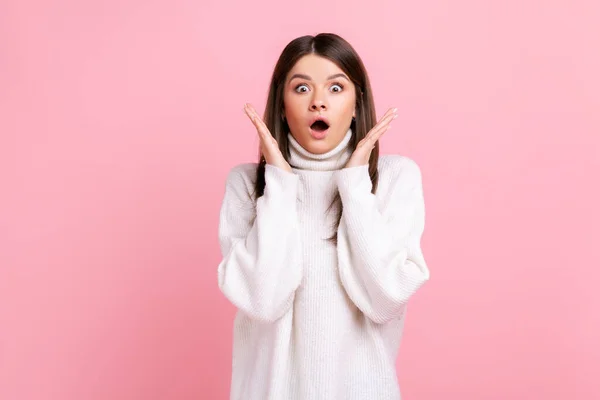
[257, 121]
[251, 110]
[388, 117]
[380, 128]
[379, 134]
[254, 113]
[374, 136]
[263, 130]
[250, 114]
[391, 111]
[260, 123]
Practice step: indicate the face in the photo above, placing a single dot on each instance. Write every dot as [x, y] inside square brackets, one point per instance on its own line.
[317, 88]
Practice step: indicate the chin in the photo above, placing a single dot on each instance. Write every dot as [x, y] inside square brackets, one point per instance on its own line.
[319, 146]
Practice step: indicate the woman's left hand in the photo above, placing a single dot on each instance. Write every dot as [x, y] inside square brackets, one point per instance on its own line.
[362, 153]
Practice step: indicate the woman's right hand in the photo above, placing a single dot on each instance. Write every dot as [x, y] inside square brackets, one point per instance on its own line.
[268, 145]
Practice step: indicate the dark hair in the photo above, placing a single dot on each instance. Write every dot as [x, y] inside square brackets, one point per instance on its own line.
[340, 52]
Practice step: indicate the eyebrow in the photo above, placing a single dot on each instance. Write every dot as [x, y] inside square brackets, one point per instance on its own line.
[308, 78]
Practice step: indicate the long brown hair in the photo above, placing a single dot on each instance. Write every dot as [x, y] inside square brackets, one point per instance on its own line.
[340, 52]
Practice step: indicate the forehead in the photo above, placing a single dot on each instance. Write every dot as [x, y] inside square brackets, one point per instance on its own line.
[317, 67]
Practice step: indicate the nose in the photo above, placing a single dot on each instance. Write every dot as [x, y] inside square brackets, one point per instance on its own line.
[318, 103]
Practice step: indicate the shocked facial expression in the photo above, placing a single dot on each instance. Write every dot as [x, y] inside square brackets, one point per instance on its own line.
[319, 103]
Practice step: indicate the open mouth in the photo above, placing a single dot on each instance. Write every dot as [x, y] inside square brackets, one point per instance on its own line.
[319, 126]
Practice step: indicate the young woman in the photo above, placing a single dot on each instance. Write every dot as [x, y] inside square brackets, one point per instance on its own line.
[321, 238]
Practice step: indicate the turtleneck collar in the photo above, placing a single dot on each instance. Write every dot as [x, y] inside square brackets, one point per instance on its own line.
[334, 159]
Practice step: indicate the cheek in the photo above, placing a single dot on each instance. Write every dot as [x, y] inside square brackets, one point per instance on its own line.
[351, 102]
[293, 107]
[346, 106]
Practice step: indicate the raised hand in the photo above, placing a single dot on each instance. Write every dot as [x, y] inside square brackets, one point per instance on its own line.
[268, 145]
[361, 154]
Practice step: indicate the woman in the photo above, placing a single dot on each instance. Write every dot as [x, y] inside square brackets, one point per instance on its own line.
[321, 238]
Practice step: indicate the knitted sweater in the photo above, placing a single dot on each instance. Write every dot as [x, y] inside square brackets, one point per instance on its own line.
[315, 320]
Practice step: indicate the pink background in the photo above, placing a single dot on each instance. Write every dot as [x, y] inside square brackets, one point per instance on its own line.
[119, 121]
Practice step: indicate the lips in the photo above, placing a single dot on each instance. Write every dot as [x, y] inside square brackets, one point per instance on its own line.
[319, 124]
[319, 127]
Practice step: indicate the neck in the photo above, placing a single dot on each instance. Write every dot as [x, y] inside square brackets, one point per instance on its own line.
[334, 159]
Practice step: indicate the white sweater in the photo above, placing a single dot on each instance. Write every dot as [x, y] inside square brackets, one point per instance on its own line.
[316, 321]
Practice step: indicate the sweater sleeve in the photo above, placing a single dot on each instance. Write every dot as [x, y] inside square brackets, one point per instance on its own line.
[260, 269]
[380, 260]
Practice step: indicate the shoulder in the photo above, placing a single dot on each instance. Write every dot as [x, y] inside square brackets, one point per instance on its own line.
[398, 169]
[400, 181]
[241, 179]
[242, 172]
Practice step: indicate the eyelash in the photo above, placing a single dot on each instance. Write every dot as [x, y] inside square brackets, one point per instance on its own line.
[334, 84]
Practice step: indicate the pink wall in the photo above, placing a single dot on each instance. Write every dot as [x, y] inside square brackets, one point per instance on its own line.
[119, 121]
